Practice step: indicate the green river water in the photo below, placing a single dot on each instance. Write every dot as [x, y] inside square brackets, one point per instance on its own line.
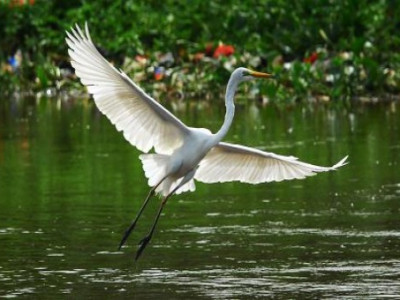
[70, 185]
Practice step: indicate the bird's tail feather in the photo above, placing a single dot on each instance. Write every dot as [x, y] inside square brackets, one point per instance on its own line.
[155, 166]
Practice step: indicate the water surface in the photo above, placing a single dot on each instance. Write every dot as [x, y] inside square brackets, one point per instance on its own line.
[70, 184]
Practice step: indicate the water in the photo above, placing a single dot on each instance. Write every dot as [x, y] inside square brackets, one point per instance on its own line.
[70, 185]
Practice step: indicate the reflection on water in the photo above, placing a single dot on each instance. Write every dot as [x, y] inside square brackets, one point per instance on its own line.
[70, 184]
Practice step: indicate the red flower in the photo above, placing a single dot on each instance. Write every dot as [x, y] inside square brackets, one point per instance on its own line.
[159, 73]
[14, 3]
[311, 58]
[224, 50]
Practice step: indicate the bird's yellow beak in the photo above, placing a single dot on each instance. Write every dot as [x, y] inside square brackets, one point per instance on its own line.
[261, 75]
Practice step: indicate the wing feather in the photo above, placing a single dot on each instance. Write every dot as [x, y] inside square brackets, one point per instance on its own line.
[229, 162]
[142, 120]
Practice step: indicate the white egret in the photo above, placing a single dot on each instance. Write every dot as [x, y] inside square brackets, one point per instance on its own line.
[182, 154]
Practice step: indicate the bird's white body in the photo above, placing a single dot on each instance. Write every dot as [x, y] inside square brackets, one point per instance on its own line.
[181, 154]
[181, 162]
[188, 156]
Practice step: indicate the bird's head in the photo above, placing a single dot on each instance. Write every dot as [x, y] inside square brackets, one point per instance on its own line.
[243, 74]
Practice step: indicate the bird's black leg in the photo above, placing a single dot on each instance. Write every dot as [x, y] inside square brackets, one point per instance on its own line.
[143, 243]
[133, 224]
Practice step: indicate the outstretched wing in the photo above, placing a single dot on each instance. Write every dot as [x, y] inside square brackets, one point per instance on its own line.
[229, 162]
[143, 121]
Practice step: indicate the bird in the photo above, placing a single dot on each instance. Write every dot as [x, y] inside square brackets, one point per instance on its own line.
[174, 154]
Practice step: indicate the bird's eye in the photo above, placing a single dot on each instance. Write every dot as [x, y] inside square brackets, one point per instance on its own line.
[245, 73]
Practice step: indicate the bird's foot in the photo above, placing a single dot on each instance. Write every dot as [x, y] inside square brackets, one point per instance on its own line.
[142, 244]
[126, 235]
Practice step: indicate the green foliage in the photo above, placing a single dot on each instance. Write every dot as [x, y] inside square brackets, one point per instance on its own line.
[357, 42]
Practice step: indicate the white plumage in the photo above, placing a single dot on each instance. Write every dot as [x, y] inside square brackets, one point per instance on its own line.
[143, 121]
[182, 153]
[229, 162]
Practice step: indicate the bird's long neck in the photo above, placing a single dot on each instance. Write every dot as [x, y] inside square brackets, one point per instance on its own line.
[230, 110]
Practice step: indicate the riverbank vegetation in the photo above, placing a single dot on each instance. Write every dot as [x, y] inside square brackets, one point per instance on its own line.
[327, 51]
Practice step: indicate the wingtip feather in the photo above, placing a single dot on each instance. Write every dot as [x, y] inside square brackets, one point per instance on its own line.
[341, 163]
